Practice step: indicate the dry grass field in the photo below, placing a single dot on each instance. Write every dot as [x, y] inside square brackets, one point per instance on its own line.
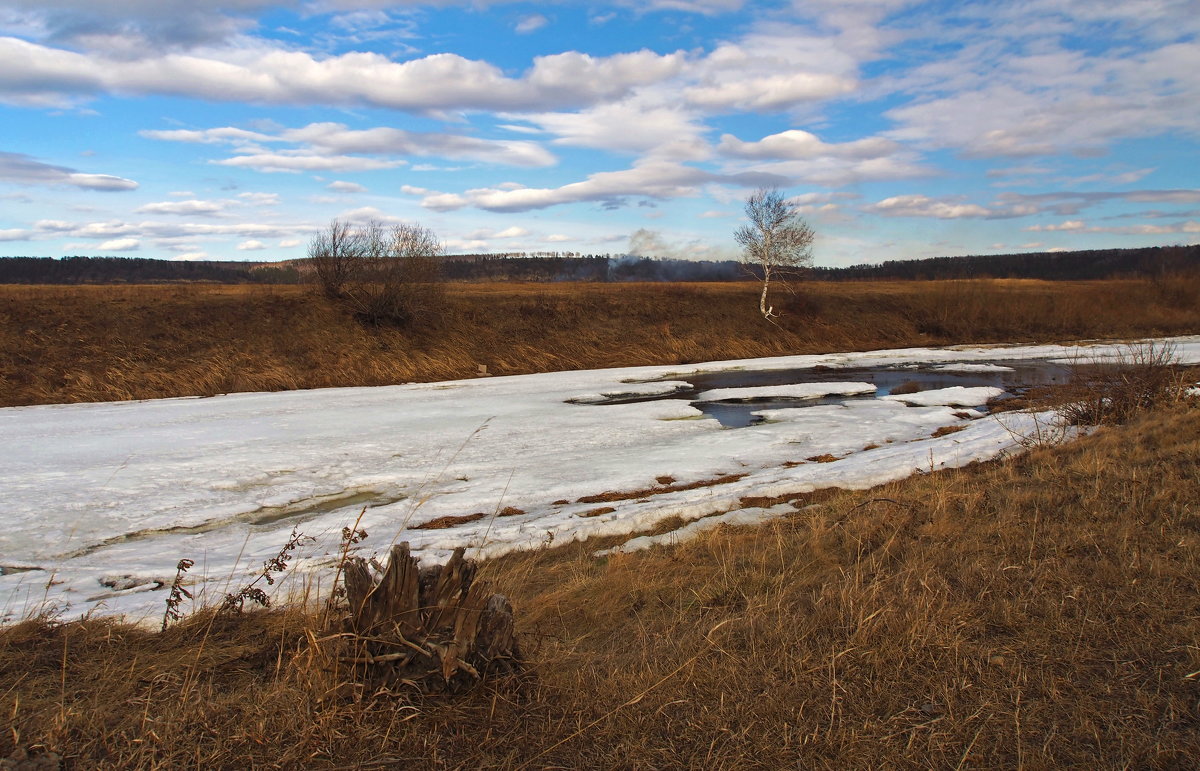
[104, 343]
[1040, 611]
[1037, 611]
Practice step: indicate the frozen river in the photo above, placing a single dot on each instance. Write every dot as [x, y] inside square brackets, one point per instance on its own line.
[98, 502]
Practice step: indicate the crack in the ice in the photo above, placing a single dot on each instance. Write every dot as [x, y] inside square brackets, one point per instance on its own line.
[265, 515]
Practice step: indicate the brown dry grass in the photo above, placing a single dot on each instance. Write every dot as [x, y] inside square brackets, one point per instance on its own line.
[443, 523]
[102, 343]
[907, 387]
[613, 496]
[1041, 612]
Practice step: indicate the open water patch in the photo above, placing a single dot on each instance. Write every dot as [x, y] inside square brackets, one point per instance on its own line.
[1013, 376]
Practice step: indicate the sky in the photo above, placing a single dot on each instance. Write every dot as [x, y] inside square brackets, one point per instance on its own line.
[236, 129]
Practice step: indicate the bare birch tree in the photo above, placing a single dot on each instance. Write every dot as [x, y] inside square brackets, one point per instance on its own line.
[777, 239]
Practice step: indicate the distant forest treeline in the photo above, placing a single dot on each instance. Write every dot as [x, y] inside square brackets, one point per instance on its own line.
[1051, 266]
[556, 266]
[461, 267]
[140, 270]
[592, 267]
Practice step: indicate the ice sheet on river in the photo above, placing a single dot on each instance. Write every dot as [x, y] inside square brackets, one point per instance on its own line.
[793, 391]
[102, 500]
[955, 396]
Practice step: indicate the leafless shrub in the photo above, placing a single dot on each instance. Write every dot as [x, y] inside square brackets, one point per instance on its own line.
[1143, 377]
[335, 253]
[1042, 433]
[383, 275]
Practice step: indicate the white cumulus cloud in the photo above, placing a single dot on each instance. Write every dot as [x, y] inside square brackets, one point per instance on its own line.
[795, 144]
[33, 73]
[531, 23]
[185, 208]
[22, 169]
[648, 179]
[295, 163]
[120, 245]
[337, 147]
[924, 206]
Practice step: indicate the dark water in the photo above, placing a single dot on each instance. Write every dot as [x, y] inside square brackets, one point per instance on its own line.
[739, 413]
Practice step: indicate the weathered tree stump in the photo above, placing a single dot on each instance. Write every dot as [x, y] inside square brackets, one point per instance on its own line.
[432, 628]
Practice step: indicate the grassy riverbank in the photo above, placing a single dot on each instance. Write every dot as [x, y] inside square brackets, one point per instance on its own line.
[104, 343]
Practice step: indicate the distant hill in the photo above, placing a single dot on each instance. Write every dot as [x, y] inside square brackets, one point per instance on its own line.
[559, 266]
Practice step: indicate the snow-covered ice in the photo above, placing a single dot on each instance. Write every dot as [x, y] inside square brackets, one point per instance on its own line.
[98, 502]
[969, 367]
[955, 396]
[794, 391]
[631, 391]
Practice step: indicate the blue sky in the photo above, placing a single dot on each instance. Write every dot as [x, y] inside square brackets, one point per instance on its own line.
[234, 129]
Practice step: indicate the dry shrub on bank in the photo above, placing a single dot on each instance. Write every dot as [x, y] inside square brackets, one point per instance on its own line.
[382, 275]
[102, 343]
[1142, 378]
[1040, 611]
